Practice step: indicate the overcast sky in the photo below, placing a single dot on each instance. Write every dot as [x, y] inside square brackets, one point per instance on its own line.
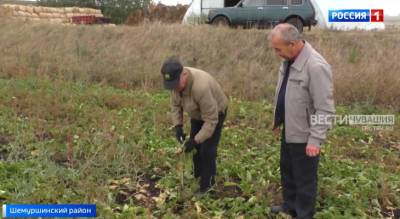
[390, 7]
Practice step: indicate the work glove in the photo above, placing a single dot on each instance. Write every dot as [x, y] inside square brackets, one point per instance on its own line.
[190, 145]
[180, 136]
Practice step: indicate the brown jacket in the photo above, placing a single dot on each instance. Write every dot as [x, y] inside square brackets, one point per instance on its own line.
[203, 99]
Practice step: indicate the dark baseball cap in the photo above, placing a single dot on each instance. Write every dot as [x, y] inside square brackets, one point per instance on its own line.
[171, 71]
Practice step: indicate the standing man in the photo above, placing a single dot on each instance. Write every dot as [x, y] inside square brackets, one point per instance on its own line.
[305, 89]
[200, 95]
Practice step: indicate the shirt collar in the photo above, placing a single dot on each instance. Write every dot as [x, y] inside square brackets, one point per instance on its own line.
[302, 57]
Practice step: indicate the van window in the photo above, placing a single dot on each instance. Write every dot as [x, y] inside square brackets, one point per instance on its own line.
[297, 2]
[276, 2]
[250, 3]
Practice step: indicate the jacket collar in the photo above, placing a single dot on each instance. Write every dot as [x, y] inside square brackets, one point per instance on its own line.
[302, 57]
[189, 85]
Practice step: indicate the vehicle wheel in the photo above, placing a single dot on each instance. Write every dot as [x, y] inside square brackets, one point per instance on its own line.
[297, 23]
[220, 21]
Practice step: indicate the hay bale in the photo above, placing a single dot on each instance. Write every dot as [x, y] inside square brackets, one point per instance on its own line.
[29, 9]
[68, 10]
[6, 11]
[46, 9]
[16, 7]
[4, 7]
[37, 9]
[19, 14]
[3, 12]
[22, 8]
[14, 13]
[75, 10]
[50, 14]
[70, 15]
[55, 15]
[45, 15]
[56, 20]
[60, 10]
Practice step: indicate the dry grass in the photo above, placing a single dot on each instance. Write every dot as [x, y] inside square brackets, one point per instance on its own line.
[158, 12]
[365, 64]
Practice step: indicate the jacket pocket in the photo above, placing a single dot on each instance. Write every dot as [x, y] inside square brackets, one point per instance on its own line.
[299, 91]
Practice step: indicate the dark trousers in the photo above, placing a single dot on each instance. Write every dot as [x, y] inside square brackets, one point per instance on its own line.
[204, 159]
[298, 179]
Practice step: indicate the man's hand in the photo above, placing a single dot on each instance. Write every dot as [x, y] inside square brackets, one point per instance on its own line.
[190, 145]
[276, 131]
[312, 150]
[180, 136]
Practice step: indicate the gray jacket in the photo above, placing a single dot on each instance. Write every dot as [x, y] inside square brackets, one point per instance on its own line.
[309, 92]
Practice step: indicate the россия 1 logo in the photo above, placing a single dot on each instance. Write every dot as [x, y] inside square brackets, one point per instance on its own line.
[356, 15]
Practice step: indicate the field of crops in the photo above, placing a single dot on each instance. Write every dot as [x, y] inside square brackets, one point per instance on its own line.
[84, 119]
[72, 142]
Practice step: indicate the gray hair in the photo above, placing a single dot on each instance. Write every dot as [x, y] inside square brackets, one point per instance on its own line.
[287, 32]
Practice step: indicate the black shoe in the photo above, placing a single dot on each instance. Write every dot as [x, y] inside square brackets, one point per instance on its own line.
[206, 183]
[206, 190]
[282, 209]
[278, 209]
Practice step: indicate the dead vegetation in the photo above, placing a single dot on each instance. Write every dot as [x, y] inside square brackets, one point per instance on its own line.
[365, 64]
[158, 13]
